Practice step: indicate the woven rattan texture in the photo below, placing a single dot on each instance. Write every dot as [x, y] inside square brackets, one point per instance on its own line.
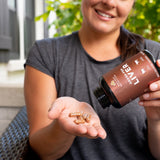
[14, 140]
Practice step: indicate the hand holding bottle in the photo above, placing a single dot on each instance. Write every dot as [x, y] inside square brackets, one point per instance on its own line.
[151, 99]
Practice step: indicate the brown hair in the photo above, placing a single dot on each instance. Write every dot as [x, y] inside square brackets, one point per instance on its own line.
[129, 43]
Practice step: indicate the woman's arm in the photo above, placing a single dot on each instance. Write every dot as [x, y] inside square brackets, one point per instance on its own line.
[52, 133]
[45, 135]
[154, 138]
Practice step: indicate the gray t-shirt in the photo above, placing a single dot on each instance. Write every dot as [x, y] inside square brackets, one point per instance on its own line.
[77, 75]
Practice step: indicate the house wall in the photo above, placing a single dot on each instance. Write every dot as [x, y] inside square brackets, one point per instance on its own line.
[11, 95]
[12, 71]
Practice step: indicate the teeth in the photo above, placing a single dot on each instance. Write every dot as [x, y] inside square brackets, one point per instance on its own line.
[104, 15]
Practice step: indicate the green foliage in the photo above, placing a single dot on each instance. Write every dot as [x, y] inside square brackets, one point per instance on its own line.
[69, 17]
[144, 18]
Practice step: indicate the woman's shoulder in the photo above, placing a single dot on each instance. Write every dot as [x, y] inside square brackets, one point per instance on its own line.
[150, 44]
[153, 47]
[59, 40]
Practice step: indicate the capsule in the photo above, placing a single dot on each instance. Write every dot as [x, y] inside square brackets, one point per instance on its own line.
[79, 121]
[88, 118]
[81, 117]
[75, 114]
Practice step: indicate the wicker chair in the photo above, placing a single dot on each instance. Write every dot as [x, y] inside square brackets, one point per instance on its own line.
[14, 141]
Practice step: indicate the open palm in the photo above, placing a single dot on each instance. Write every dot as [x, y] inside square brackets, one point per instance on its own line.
[61, 109]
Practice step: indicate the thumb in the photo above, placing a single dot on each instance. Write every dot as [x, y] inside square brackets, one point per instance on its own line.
[55, 109]
[158, 62]
[59, 105]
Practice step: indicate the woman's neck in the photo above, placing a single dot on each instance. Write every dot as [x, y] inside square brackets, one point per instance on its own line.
[100, 46]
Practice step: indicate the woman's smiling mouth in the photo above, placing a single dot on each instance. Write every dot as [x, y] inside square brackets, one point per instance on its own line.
[104, 14]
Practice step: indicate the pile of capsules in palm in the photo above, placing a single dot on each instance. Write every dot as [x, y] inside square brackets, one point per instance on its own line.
[81, 117]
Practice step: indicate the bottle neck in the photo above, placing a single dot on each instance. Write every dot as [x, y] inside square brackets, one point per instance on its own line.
[102, 97]
[105, 95]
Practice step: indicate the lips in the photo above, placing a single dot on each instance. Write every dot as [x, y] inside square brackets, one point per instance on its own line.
[104, 14]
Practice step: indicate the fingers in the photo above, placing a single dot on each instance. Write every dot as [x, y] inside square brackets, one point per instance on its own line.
[92, 124]
[89, 130]
[155, 86]
[151, 98]
[153, 103]
[77, 130]
[93, 132]
[158, 62]
[101, 132]
[80, 129]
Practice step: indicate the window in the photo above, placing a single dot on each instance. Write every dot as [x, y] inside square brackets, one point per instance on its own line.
[13, 29]
[12, 4]
[29, 25]
[5, 39]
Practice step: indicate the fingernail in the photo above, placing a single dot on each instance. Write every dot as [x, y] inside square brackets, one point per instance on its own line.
[158, 61]
[145, 96]
[153, 86]
[140, 103]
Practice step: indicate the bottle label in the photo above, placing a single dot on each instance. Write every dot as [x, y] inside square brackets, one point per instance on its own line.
[129, 80]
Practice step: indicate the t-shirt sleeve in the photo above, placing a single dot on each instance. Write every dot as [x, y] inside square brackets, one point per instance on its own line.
[42, 56]
[153, 47]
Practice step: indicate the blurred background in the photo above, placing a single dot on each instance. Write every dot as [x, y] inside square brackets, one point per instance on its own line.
[24, 21]
[18, 31]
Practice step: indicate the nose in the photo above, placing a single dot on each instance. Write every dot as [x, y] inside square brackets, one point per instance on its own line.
[109, 3]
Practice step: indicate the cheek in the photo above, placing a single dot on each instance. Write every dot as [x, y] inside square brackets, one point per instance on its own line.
[124, 10]
[86, 7]
[86, 4]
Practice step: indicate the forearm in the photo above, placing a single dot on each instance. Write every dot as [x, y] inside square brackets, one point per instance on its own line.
[51, 142]
[154, 138]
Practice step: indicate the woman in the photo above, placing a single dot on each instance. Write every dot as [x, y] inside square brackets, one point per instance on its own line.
[60, 77]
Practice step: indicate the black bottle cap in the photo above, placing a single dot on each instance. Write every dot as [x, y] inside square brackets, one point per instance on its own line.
[102, 97]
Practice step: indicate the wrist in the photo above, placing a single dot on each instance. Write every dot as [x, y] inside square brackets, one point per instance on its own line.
[154, 137]
[153, 124]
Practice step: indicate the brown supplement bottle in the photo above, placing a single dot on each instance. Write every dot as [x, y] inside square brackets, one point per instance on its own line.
[128, 80]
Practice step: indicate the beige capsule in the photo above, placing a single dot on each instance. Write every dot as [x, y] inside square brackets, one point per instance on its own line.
[75, 114]
[84, 115]
[81, 117]
[79, 121]
[88, 118]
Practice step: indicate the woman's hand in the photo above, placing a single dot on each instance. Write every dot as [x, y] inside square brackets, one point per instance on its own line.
[151, 100]
[61, 109]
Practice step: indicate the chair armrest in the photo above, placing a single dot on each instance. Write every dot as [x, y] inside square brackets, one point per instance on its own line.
[14, 140]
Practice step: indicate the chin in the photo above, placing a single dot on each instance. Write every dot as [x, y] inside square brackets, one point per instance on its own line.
[106, 30]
